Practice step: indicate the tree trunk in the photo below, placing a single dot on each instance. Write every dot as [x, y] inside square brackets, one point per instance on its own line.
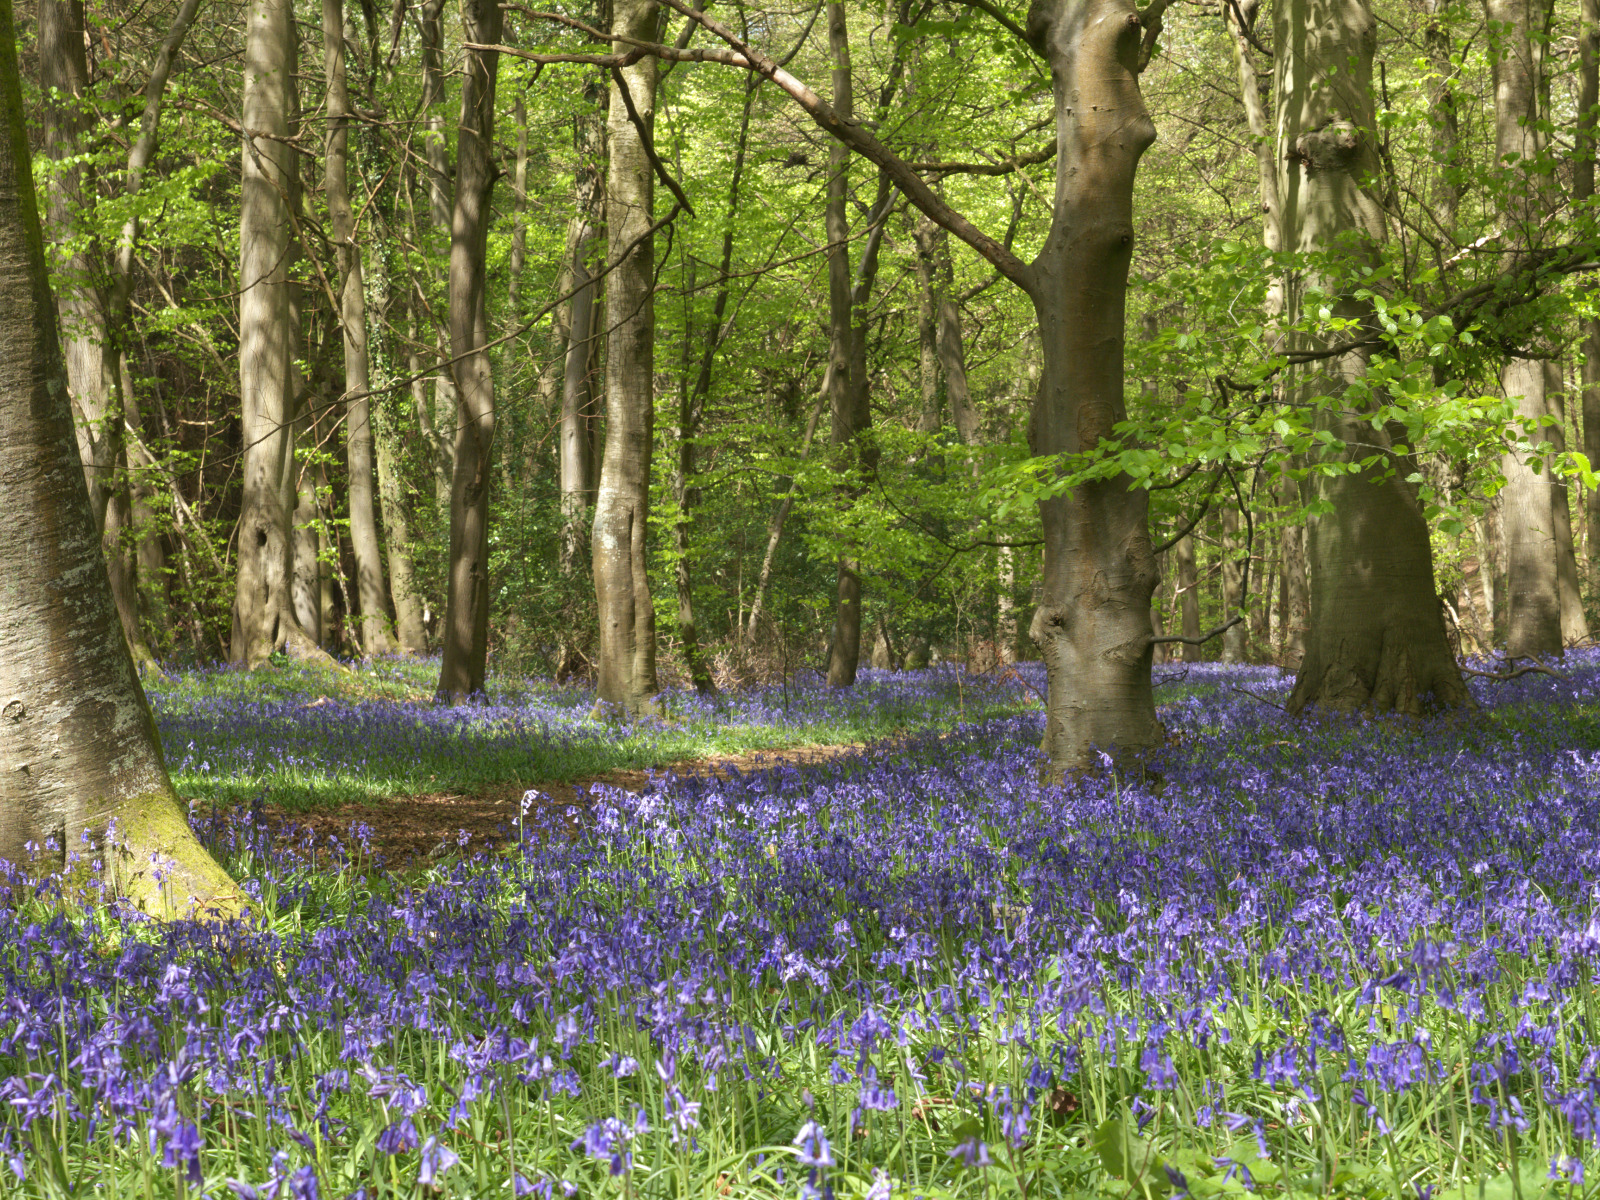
[1189, 595]
[83, 767]
[1296, 610]
[930, 415]
[1574, 625]
[1582, 190]
[436, 152]
[410, 630]
[1233, 580]
[263, 609]
[465, 637]
[519, 219]
[1528, 512]
[1377, 638]
[844, 646]
[579, 420]
[620, 548]
[370, 590]
[1093, 621]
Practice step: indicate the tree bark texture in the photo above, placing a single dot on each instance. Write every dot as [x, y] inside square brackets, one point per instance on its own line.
[1295, 617]
[82, 766]
[1583, 190]
[1092, 624]
[619, 545]
[1234, 600]
[576, 333]
[1377, 636]
[844, 646]
[1183, 554]
[436, 153]
[465, 635]
[370, 590]
[263, 608]
[1517, 49]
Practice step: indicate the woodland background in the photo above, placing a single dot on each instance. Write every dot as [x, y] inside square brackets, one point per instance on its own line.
[752, 503]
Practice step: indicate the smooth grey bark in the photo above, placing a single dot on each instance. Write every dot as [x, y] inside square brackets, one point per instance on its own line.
[370, 591]
[1295, 612]
[1233, 579]
[519, 218]
[263, 609]
[1583, 167]
[441, 423]
[1534, 611]
[1377, 636]
[1092, 624]
[575, 333]
[619, 544]
[1574, 624]
[89, 344]
[1446, 109]
[465, 634]
[1183, 553]
[83, 766]
[410, 630]
[848, 419]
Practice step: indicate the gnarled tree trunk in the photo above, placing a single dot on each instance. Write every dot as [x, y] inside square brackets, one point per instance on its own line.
[465, 636]
[83, 767]
[1377, 637]
[1093, 621]
[627, 666]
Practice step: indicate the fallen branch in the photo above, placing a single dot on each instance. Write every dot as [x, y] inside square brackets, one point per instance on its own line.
[1533, 668]
[1263, 699]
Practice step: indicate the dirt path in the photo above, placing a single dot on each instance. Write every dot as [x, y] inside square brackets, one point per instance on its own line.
[406, 829]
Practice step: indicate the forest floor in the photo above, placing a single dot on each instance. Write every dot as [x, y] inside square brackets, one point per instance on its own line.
[406, 830]
[367, 756]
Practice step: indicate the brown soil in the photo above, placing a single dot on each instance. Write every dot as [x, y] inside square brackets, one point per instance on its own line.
[410, 829]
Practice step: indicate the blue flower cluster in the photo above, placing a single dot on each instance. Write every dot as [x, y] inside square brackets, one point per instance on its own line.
[1318, 956]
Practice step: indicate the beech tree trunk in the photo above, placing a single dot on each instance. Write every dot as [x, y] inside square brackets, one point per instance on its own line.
[1583, 189]
[1295, 615]
[1533, 617]
[264, 619]
[83, 767]
[436, 152]
[1093, 621]
[1233, 580]
[370, 590]
[579, 418]
[847, 395]
[1377, 637]
[465, 636]
[627, 652]
[1188, 596]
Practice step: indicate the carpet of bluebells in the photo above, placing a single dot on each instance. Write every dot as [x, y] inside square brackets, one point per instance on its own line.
[310, 738]
[1315, 957]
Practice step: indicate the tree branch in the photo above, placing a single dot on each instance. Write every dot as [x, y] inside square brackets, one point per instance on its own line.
[1204, 637]
[648, 143]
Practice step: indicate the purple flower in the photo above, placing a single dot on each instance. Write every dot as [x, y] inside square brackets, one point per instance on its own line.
[815, 1150]
[399, 1137]
[436, 1158]
[972, 1153]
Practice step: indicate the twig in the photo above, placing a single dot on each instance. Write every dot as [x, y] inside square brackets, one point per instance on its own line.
[1533, 668]
[1263, 699]
[1204, 637]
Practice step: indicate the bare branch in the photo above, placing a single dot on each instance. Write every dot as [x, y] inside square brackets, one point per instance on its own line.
[1005, 166]
[648, 142]
[1203, 638]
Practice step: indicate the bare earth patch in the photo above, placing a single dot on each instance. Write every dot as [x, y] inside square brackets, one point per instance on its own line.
[409, 829]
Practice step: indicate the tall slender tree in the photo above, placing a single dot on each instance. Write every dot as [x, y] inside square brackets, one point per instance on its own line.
[627, 654]
[264, 618]
[352, 316]
[465, 636]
